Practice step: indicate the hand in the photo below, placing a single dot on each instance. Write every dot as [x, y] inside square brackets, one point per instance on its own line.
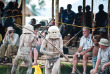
[82, 53]
[93, 29]
[94, 71]
[103, 67]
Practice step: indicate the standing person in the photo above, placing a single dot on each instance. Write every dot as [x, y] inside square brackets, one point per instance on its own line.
[67, 17]
[10, 45]
[61, 11]
[2, 30]
[78, 22]
[17, 20]
[95, 48]
[88, 19]
[27, 42]
[84, 50]
[101, 18]
[103, 58]
[52, 54]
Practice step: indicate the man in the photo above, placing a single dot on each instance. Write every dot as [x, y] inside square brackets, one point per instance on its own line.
[52, 54]
[103, 58]
[27, 42]
[78, 22]
[84, 50]
[88, 19]
[33, 21]
[67, 17]
[10, 45]
[101, 18]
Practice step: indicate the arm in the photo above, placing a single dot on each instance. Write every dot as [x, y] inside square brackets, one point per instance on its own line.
[89, 49]
[93, 29]
[61, 45]
[4, 40]
[105, 65]
[80, 49]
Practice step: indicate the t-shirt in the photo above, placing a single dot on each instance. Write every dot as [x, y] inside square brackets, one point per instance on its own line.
[68, 17]
[103, 55]
[86, 43]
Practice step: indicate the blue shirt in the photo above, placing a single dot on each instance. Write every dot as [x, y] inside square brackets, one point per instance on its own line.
[68, 17]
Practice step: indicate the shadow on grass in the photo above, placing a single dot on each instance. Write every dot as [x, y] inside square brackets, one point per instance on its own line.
[65, 69]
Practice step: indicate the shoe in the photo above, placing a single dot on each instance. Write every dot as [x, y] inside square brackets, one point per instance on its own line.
[2, 59]
[84, 73]
[8, 60]
[74, 45]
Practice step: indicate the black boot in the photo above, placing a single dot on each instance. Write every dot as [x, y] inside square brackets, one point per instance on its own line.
[2, 59]
[8, 60]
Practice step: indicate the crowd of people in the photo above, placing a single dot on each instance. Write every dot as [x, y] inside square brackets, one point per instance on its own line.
[24, 44]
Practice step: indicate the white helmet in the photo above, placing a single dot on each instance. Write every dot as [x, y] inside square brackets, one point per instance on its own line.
[28, 29]
[53, 32]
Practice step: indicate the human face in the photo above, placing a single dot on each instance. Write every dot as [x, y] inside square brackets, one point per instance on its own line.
[96, 42]
[11, 33]
[85, 32]
[102, 47]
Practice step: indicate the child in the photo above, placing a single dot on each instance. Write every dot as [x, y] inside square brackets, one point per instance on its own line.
[95, 48]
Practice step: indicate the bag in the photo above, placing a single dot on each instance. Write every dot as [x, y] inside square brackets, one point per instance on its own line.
[37, 69]
[65, 50]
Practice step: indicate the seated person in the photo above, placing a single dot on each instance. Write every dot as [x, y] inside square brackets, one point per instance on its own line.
[10, 45]
[103, 58]
[86, 45]
[95, 48]
[103, 33]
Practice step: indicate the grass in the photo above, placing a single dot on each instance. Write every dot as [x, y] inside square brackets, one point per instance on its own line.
[65, 69]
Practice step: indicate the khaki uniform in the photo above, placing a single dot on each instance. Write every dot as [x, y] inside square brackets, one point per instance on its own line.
[7, 48]
[27, 42]
[52, 55]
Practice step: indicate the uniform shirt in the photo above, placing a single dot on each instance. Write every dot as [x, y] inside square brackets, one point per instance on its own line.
[15, 40]
[103, 55]
[86, 43]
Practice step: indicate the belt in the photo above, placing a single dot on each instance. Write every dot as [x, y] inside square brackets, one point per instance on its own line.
[54, 58]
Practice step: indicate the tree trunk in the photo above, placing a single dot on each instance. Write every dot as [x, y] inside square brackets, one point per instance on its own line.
[109, 20]
[23, 12]
[52, 9]
[84, 1]
[57, 13]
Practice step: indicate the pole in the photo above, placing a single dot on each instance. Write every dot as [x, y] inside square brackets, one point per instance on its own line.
[52, 9]
[109, 20]
[23, 12]
[84, 12]
[57, 13]
[92, 13]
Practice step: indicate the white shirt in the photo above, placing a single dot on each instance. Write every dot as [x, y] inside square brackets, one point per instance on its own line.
[103, 55]
[86, 43]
